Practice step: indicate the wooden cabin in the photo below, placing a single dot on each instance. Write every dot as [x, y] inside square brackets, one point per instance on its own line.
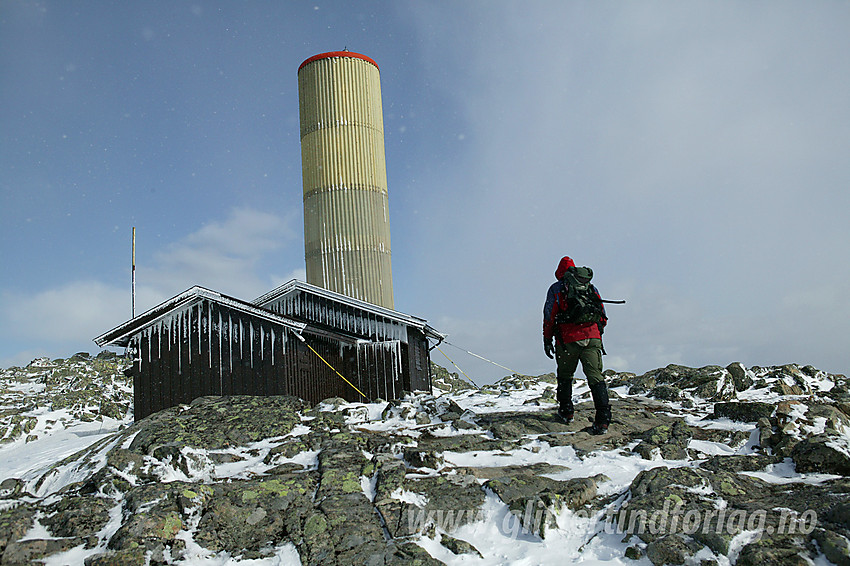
[298, 340]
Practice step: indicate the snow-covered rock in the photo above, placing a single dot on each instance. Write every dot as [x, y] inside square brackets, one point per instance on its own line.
[732, 465]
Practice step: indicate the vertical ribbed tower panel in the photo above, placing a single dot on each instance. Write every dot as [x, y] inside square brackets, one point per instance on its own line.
[346, 213]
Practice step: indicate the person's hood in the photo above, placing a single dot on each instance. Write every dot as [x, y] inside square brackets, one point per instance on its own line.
[565, 263]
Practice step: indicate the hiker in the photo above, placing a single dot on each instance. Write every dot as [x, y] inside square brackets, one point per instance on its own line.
[578, 337]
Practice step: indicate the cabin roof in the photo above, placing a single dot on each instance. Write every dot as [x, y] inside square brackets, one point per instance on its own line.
[120, 335]
[295, 286]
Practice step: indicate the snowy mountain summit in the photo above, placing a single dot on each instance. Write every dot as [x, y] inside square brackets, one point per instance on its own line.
[702, 466]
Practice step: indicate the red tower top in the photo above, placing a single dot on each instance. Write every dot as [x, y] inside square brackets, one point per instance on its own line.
[332, 54]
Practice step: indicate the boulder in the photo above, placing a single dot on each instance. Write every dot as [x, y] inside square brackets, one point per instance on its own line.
[671, 549]
[742, 411]
[835, 547]
[31, 551]
[740, 378]
[779, 551]
[15, 521]
[710, 382]
[823, 453]
[218, 422]
[534, 500]
[457, 546]
[736, 463]
[669, 441]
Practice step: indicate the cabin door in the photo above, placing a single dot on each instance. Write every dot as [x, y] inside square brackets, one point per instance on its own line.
[379, 369]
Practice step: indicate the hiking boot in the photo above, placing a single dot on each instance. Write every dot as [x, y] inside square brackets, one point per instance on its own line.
[599, 392]
[598, 428]
[566, 416]
[564, 395]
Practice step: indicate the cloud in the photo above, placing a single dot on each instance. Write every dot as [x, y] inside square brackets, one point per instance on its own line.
[232, 256]
[694, 156]
[63, 314]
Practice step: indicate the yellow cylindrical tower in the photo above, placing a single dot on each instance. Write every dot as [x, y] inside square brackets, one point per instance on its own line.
[346, 212]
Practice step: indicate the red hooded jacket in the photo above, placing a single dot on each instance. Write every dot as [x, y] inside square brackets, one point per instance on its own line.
[557, 302]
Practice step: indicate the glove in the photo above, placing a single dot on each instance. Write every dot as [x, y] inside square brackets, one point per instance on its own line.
[547, 347]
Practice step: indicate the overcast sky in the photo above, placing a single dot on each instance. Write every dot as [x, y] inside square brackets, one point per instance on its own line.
[694, 154]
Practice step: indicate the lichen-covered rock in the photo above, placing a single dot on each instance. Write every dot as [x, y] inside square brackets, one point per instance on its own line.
[31, 551]
[834, 546]
[824, 453]
[409, 554]
[671, 549]
[457, 546]
[513, 426]
[460, 443]
[735, 463]
[243, 517]
[534, 500]
[444, 380]
[666, 393]
[154, 517]
[81, 516]
[778, 551]
[836, 419]
[137, 556]
[219, 422]
[88, 388]
[708, 508]
[740, 377]
[710, 382]
[744, 412]
[14, 523]
[669, 441]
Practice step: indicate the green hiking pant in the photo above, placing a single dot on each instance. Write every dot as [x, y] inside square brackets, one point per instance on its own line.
[569, 355]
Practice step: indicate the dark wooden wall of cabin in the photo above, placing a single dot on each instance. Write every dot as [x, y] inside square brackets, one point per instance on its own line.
[415, 368]
[210, 349]
[380, 369]
[418, 372]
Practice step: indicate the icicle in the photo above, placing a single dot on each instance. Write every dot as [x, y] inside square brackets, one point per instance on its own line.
[178, 337]
[187, 333]
[215, 331]
[200, 328]
[241, 330]
[273, 337]
[136, 342]
[209, 331]
[230, 340]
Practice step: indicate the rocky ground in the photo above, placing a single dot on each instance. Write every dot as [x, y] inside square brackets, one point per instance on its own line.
[48, 395]
[716, 465]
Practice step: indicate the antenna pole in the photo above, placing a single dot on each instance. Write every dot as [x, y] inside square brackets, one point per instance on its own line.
[134, 273]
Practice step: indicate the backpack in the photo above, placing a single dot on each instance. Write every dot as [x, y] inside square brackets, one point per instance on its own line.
[583, 302]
